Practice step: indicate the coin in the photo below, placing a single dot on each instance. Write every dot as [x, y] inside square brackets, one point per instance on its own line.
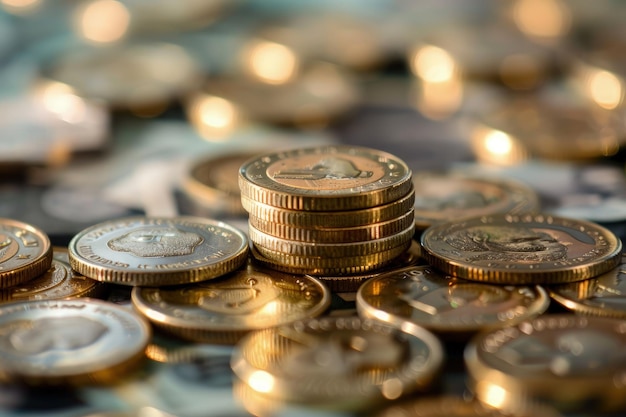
[528, 249]
[445, 304]
[450, 196]
[338, 362]
[25, 252]
[224, 309]
[69, 341]
[58, 282]
[564, 360]
[154, 251]
[325, 178]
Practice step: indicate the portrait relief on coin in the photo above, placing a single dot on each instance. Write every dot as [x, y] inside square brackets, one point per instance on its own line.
[156, 242]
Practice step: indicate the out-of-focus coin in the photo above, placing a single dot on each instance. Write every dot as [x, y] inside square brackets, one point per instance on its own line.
[443, 197]
[25, 252]
[325, 178]
[340, 362]
[58, 282]
[157, 251]
[225, 309]
[444, 304]
[527, 249]
[69, 341]
[565, 360]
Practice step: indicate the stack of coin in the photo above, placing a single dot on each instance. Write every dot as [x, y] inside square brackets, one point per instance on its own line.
[329, 210]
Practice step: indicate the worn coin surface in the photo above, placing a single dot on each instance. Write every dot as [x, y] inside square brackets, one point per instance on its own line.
[69, 341]
[526, 249]
[25, 252]
[158, 251]
[445, 304]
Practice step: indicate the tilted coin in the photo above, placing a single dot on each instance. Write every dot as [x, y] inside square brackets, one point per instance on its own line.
[565, 360]
[154, 251]
[325, 178]
[338, 362]
[25, 252]
[224, 309]
[528, 249]
[58, 282]
[443, 197]
[423, 296]
[604, 295]
[69, 341]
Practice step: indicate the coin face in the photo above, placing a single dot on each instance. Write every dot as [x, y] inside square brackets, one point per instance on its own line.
[528, 249]
[326, 178]
[561, 359]
[158, 251]
[337, 361]
[25, 252]
[427, 298]
[223, 309]
[58, 282]
[69, 341]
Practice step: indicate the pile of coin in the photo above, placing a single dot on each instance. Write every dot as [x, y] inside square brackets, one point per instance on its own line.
[328, 210]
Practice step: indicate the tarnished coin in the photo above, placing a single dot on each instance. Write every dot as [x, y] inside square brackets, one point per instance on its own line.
[25, 252]
[158, 251]
[58, 282]
[527, 249]
[442, 197]
[565, 360]
[69, 341]
[338, 362]
[325, 178]
[445, 304]
[224, 309]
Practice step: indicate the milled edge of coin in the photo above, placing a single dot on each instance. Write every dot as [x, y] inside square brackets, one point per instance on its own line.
[559, 271]
[193, 271]
[395, 183]
[36, 266]
[349, 218]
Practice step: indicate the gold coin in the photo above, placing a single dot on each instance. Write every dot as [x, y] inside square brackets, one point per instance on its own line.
[528, 249]
[325, 178]
[77, 342]
[443, 197]
[348, 218]
[338, 362]
[25, 252]
[423, 296]
[58, 282]
[150, 251]
[565, 360]
[225, 309]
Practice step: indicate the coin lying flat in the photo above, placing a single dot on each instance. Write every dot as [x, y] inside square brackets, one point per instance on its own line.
[58, 282]
[25, 252]
[158, 251]
[340, 362]
[224, 309]
[325, 178]
[444, 304]
[69, 341]
[528, 249]
[565, 360]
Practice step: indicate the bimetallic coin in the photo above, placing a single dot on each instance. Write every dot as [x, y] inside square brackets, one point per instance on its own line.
[528, 249]
[69, 341]
[423, 296]
[338, 362]
[157, 251]
[325, 178]
[25, 252]
[565, 360]
[58, 282]
[225, 309]
[443, 197]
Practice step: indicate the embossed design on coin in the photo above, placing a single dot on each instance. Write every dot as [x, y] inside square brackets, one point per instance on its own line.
[149, 242]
